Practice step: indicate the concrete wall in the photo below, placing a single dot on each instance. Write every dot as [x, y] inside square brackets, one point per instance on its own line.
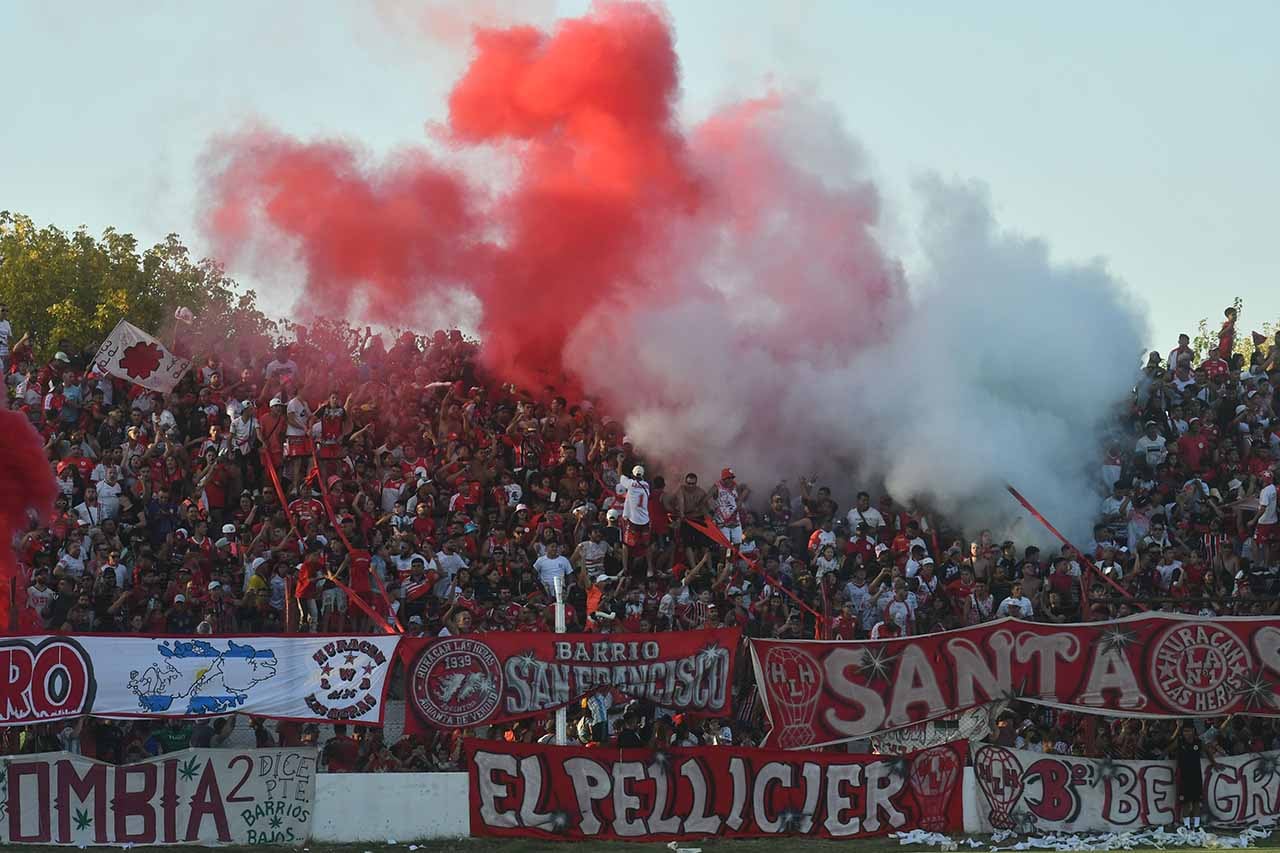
[384, 807]
[970, 800]
[390, 806]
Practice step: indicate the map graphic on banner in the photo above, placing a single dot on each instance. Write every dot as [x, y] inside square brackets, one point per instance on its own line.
[132, 354]
[575, 794]
[480, 679]
[818, 692]
[333, 679]
[1032, 793]
[196, 796]
[202, 678]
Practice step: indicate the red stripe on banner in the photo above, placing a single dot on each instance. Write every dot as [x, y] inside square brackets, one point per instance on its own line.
[581, 794]
[1146, 666]
[498, 676]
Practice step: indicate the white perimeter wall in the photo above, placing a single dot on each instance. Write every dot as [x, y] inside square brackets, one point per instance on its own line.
[409, 806]
[390, 806]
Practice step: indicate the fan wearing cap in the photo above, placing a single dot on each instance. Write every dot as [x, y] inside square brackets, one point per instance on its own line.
[1265, 527]
[724, 498]
[244, 443]
[271, 430]
[634, 491]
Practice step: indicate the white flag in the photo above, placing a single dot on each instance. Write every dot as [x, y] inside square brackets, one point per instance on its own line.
[130, 353]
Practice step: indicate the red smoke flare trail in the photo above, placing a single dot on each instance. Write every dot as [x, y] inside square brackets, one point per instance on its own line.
[26, 485]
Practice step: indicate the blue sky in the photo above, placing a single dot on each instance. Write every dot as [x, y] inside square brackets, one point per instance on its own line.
[1146, 134]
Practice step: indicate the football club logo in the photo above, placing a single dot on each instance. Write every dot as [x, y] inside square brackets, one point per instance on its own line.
[1199, 668]
[456, 682]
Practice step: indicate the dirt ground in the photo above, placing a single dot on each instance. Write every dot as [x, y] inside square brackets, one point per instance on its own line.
[482, 845]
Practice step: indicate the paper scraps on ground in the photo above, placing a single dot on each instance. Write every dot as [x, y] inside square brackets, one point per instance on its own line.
[1158, 837]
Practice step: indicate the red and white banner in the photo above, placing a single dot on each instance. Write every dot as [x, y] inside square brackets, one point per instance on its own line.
[479, 679]
[196, 796]
[577, 794]
[824, 692]
[132, 354]
[1032, 793]
[301, 677]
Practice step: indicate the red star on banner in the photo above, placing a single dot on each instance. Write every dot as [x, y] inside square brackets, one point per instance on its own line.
[140, 360]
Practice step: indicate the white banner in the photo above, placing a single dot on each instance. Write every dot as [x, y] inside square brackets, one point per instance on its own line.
[1032, 793]
[196, 796]
[972, 725]
[132, 354]
[328, 679]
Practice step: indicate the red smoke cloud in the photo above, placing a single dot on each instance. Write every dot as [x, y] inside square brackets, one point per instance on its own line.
[613, 206]
[721, 286]
[26, 485]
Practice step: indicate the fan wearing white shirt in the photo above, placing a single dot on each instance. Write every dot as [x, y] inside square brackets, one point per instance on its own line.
[635, 516]
[1266, 525]
[864, 513]
[1016, 605]
[90, 513]
[109, 493]
[552, 565]
[6, 332]
[1151, 445]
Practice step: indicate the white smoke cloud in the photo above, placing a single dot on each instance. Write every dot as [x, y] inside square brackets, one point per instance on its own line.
[796, 347]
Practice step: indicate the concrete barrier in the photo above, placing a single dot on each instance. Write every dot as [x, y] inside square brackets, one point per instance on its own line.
[410, 806]
[969, 797]
[390, 806]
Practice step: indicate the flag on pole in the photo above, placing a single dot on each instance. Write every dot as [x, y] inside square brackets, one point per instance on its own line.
[132, 354]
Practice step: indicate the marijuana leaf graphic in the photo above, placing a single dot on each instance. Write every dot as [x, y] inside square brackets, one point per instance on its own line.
[188, 769]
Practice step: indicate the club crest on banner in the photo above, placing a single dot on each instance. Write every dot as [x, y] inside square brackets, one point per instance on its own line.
[457, 682]
[999, 775]
[461, 682]
[348, 671]
[1199, 669]
[796, 679]
[934, 774]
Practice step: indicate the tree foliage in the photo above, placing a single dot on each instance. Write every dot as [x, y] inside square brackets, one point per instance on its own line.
[73, 287]
[1206, 336]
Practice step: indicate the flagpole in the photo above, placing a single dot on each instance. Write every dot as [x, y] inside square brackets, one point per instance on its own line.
[562, 714]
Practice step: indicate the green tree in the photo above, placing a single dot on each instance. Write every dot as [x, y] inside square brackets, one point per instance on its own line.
[73, 287]
[1206, 336]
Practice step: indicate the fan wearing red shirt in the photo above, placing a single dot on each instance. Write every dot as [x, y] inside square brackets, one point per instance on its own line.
[844, 626]
[214, 481]
[424, 526]
[1227, 336]
[1215, 366]
[306, 512]
[862, 544]
[1194, 447]
[334, 423]
[959, 590]
[506, 612]
[341, 753]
